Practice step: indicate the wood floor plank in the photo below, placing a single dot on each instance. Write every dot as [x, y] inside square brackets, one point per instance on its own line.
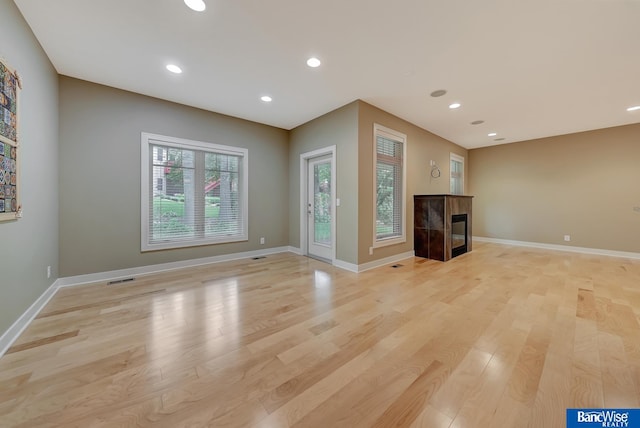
[409, 405]
[292, 411]
[485, 392]
[586, 378]
[431, 418]
[617, 377]
[352, 345]
[553, 393]
[44, 341]
[453, 394]
[502, 336]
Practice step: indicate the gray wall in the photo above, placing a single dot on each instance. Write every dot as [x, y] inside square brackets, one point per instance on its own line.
[339, 128]
[30, 244]
[584, 185]
[100, 174]
[350, 128]
[422, 146]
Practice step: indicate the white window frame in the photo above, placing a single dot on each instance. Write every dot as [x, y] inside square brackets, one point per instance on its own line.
[146, 179]
[457, 158]
[383, 131]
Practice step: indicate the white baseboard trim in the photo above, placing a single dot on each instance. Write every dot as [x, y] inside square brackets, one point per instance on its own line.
[387, 260]
[568, 248]
[295, 250]
[164, 267]
[16, 329]
[345, 265]
[374, 264]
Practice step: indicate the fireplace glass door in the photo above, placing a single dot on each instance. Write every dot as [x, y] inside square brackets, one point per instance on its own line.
[458, 234]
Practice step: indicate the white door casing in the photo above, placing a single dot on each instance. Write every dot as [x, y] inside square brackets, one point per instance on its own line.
[317, 203]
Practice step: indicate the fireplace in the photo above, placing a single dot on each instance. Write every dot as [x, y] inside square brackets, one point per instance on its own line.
[442, 226]
[458, 234]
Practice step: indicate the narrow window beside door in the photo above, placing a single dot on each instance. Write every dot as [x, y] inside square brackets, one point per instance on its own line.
[457, 174]
[389, 181]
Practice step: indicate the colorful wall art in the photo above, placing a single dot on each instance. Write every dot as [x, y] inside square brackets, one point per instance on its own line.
[9, 143]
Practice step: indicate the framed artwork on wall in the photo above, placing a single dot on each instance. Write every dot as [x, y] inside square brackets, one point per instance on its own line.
[10, 86]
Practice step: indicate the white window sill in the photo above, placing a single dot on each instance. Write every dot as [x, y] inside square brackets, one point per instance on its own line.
[389, 241]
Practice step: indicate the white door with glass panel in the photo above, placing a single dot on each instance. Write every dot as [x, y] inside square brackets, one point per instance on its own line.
[319, 208]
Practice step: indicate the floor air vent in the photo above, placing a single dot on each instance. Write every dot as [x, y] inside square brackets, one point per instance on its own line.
[120, 281]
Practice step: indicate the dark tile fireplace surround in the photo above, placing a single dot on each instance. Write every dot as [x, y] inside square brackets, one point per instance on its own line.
[442, 226]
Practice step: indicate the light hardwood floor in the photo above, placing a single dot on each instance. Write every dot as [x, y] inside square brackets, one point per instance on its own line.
[500, 337]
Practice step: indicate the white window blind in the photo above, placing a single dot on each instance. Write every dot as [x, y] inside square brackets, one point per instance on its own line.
[457, 174]
[390, 186]
[203, 199]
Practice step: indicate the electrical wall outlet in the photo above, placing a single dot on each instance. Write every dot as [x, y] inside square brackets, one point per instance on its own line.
[567, 238]
[262, 240]
[48, 271]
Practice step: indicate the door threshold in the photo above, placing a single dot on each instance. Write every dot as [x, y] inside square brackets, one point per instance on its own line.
[318, 258]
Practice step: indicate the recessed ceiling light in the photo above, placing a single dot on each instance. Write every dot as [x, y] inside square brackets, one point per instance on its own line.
[438, 93]
[634, 108]
[174, 68]
[477, 122]
[313, 62]
[266, 98]
[492, 134]
[197, 5]
[454, 105]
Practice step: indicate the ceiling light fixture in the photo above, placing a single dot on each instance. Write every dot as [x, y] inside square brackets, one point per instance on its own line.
[313, 62]
[454, 105]
[197, 5]
[174, 68]
[438, 93]
[634, 108]
[266, 98]
[492, 134]
[477, 122]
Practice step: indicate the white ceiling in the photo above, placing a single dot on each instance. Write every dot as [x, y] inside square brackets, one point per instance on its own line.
[528, 68]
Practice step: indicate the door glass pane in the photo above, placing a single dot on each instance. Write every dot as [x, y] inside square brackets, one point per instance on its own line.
[322, 203]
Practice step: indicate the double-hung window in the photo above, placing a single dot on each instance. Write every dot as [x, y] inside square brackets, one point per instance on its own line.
[457, 174]
[390, 189]
[193, 193]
